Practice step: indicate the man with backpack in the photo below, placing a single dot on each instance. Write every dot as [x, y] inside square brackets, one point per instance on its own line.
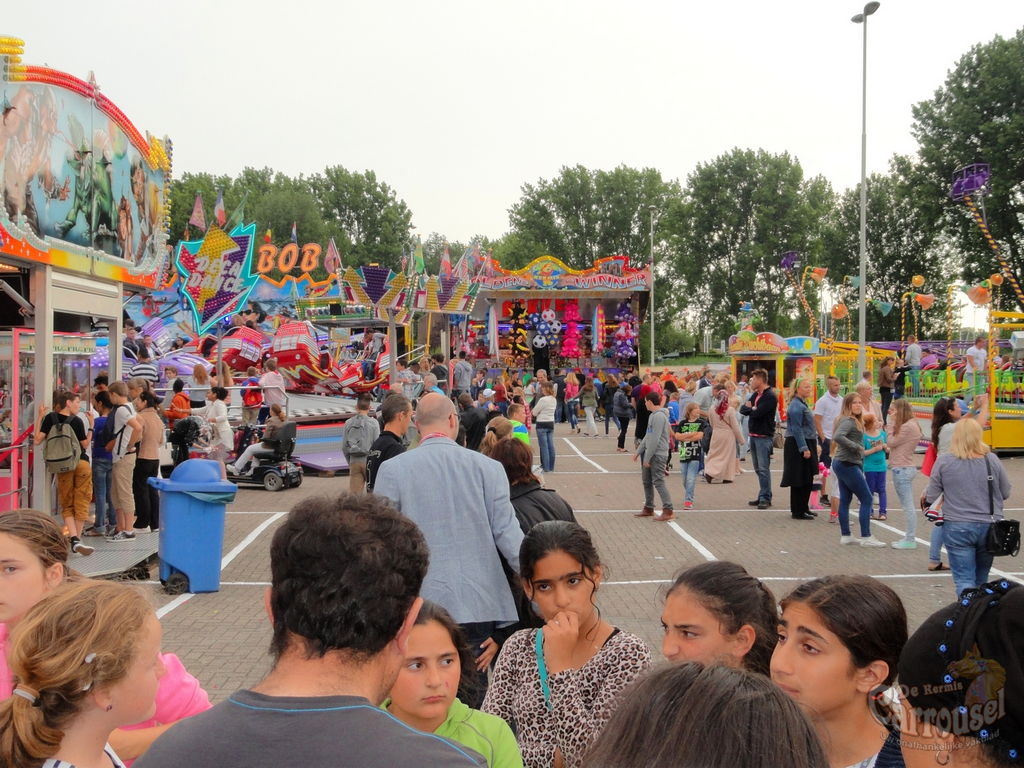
[121, 435]
[252, 397]
[65, 438]
[357, 439]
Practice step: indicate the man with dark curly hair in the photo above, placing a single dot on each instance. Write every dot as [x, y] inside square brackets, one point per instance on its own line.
[346, 573]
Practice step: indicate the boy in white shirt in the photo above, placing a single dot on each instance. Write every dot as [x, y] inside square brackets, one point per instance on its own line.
[127, 431]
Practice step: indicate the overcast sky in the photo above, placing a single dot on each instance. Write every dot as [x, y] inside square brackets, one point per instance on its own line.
[457, 104]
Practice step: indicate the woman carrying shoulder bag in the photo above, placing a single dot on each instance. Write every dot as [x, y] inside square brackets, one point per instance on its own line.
[970, 502]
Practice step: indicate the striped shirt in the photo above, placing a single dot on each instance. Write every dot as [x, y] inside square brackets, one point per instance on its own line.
[111, 755]
[145, 371]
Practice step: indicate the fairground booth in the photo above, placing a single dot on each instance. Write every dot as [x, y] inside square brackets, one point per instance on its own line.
[83, 220]
[548, 315]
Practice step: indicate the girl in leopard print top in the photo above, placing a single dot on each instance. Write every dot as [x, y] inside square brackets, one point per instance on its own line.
[558, 685]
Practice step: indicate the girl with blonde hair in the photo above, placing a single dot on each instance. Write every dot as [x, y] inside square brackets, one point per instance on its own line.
[35, 553]
[974, 486]
[498, 428]
[86, 660]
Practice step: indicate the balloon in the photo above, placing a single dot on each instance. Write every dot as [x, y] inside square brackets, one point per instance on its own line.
[548, 315]
[917, 281]
[539, 341]
[543, 327]
[555, 326]
[997, 279]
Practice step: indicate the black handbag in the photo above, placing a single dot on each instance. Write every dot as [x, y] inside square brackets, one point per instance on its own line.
[1003, 535]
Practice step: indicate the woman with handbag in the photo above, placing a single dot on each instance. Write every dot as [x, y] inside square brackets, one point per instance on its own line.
[973, 486]
[945, 415]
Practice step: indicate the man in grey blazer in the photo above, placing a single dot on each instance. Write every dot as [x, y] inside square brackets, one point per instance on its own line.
[460, 500]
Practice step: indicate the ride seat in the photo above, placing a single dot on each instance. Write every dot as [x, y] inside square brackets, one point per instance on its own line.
[285, 444]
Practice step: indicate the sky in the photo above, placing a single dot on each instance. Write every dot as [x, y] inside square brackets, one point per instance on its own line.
[457, 104]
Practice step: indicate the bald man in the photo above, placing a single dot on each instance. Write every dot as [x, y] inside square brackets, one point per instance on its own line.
[460, 500]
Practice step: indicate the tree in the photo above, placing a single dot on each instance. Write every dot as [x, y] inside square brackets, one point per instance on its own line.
[582, 215]
[900, 244]
[377, 225]
[977, 116]
[740, 213]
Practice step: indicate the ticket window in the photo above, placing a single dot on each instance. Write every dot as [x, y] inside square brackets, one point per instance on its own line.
[746, 366]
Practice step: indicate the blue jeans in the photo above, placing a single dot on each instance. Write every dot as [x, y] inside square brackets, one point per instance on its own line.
[903, 479]
[852, 483]
[761, 452]
[572, 408]
[546, 438]
[935, 544]
[689, 471]
[965, 544]
[105, 514]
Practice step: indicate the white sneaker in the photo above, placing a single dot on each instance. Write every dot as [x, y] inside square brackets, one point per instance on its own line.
[871, 541]
[847, 540]
[231, 469]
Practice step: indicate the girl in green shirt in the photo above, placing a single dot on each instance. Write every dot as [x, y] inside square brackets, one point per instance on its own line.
[424, 695]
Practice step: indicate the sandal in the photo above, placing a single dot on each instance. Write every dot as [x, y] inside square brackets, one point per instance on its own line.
[879, 517]
[938, 567]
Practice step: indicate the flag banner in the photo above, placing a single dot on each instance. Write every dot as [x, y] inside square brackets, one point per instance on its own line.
[198, 217]
[218, 210]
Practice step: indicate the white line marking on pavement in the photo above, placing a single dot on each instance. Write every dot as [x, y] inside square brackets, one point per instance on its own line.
[580, 454]
[180, 599]
[996, 571]
[704, 551]
[225, 561]
[250, 539]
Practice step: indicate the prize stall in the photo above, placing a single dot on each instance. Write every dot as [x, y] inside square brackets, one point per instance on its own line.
[84, 218]
[548, 315]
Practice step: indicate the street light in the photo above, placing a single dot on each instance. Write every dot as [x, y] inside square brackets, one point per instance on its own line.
[652, 208]
[862, 18]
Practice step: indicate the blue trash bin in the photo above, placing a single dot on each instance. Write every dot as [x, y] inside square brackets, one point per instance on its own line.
[192, 525]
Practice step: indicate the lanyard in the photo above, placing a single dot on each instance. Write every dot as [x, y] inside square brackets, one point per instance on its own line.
[542, 669]
[429, 435]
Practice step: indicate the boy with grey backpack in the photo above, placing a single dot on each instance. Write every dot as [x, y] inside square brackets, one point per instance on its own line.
[357, 439]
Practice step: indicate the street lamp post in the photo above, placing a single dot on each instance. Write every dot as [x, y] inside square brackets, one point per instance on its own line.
[862, 18]
[651, 313]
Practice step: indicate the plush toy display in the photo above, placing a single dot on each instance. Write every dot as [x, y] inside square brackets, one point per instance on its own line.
[571, 338]
[625, 334]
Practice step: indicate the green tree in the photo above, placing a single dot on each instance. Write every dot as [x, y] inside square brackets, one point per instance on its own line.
[582, 215]
[724, 241]
[977, 116]
[900, 244]
[376, 223]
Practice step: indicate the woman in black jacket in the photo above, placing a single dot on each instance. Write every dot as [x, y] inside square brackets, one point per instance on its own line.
[532, 502]
[622, 410]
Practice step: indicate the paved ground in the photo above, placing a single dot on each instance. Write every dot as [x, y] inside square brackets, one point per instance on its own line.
[223, 637]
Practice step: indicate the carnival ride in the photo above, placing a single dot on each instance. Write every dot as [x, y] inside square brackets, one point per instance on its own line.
[943, 370]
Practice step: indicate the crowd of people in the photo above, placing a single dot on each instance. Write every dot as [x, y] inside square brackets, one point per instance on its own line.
[457, 622]
[374, 663]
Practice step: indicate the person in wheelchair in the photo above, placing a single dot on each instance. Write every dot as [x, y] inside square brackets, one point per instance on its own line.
[247, 462]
